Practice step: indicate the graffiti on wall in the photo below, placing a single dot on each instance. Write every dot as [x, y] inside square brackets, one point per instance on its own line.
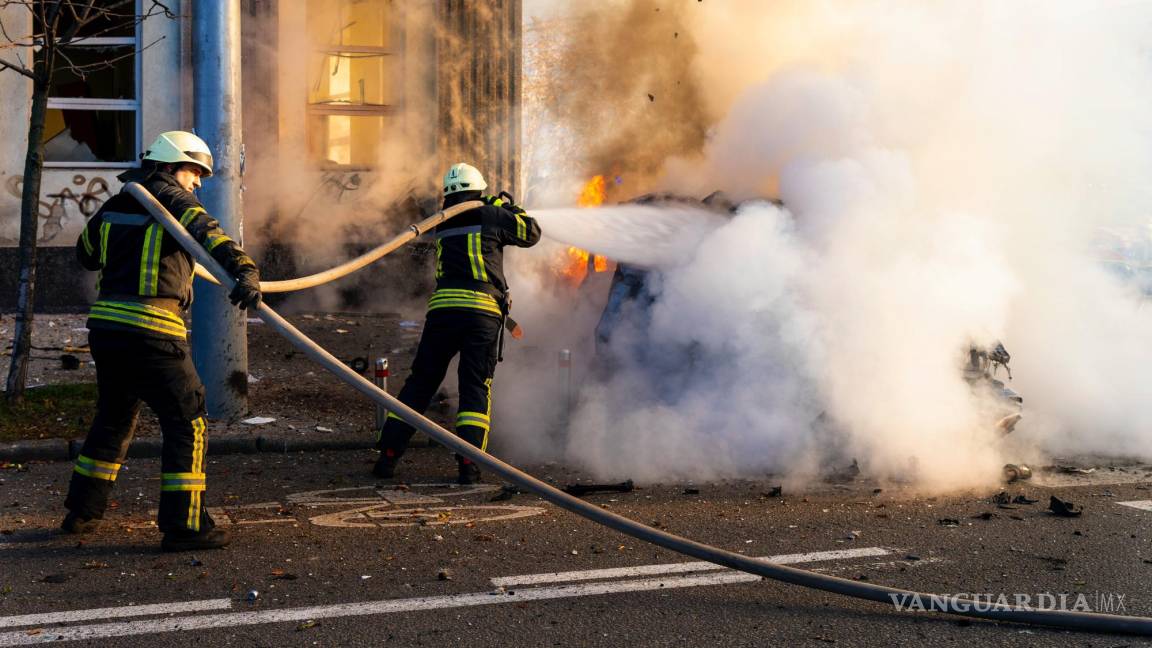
[80, 201]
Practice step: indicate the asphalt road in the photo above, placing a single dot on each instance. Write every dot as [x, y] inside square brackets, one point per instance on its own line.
[339, 559]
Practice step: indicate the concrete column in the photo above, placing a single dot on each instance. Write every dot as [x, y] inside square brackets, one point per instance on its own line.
[219, 331]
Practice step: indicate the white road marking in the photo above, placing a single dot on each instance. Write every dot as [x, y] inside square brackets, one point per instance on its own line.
[1143, 505]
[114, 612]
[679, 568]
[234, 619]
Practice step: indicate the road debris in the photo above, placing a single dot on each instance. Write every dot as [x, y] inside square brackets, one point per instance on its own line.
[1068, 470]
[948, 522]
[986, 515]
[310, 623]
[1063, 508]
[1016, 472]
[252, 596]
[579, 490]
[444, 574]
[691, 491]
[258, 420]
[843, 475]
[507, 492]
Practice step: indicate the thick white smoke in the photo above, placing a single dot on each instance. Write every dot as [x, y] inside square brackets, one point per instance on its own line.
[943, 166]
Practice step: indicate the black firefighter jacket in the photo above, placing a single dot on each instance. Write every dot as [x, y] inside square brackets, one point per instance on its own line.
[145, 276]
[470, 254]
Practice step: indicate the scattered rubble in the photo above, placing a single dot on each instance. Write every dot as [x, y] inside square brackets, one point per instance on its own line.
[580, 490]
[1062, 508]
[1016, 472]
[506, 492]
[844, 475]
[258, 420]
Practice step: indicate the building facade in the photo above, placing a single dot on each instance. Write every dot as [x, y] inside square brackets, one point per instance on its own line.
[351, 109]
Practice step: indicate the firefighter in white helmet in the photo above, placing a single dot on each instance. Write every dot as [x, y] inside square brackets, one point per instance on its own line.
[139, 341]
[466, 316]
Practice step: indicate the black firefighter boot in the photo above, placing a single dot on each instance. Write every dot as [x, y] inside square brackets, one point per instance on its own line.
[214, 538]
[77, 524]
[469, 472]
[385, 467]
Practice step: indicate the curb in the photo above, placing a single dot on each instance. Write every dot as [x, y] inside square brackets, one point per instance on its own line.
[149, 448]
[39, 450]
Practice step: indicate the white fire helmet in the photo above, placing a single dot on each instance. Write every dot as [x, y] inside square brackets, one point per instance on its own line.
[180, 147]
[463, 177]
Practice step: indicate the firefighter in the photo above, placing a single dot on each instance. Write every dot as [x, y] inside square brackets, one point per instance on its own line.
[466, 316]
[139, 342]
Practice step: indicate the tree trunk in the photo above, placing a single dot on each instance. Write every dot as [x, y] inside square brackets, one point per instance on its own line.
[29, 233]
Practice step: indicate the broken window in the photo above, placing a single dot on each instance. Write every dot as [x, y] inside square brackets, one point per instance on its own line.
[351, 69]
[94, 102]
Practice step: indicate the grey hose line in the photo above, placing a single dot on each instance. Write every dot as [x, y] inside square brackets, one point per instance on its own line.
[1085, 621]
[353, 265]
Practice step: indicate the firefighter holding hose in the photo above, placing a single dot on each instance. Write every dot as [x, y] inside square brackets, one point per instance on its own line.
[139, 342]
[466, 316]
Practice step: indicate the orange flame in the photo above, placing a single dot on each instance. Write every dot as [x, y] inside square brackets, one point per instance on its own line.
[593, 193]
[575, 268]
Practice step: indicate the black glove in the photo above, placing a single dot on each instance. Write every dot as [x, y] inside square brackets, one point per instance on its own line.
[246, 293]
[504, 201]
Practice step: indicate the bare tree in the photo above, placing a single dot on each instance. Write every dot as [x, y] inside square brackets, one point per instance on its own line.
[56, 24]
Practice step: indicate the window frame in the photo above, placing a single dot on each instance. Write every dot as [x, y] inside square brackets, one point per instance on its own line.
[119, 105]
[389, 57]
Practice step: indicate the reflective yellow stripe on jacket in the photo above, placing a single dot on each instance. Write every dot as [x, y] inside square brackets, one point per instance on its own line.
[461, 298]
[139, 315]
[150, 260]
[476, 257]
[87, 240]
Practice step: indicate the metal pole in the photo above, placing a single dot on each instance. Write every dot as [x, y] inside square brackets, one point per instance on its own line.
[565, 396]
[380, 377]
[219, 331]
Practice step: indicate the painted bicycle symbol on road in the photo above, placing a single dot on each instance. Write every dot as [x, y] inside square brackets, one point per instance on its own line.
[368, 507]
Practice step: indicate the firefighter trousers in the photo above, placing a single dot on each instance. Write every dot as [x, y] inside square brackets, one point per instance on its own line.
[131, 370]
[447, 332]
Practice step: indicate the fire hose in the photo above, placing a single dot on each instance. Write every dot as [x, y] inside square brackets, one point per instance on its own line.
[348, 267]
[1073, 620]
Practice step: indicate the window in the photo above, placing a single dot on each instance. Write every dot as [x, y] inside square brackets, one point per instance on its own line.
[94, 103]
[351, 71]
